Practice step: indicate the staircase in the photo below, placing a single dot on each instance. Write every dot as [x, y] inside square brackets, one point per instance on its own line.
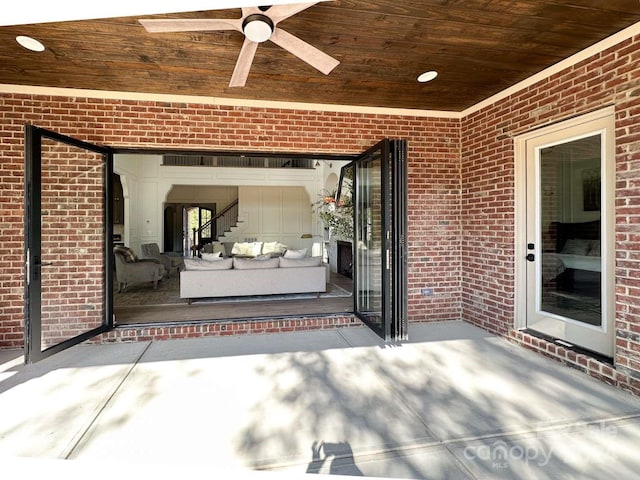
[235, 232]
[223, 223]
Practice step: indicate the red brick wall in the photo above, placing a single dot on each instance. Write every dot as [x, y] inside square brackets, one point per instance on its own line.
[611, 77]
[72, 229]
[220, 329]
[434, 177]
[434, 226]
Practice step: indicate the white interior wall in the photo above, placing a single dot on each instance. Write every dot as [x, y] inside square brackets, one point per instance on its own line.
[148, 184]
[128, 169]
[220, 195]
[274, 214]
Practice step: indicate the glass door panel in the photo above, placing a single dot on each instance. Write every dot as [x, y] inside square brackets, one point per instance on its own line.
[368, 242]
[67, 259]
[571, 278]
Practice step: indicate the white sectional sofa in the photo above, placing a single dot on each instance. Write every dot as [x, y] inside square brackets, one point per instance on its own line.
[232, 277]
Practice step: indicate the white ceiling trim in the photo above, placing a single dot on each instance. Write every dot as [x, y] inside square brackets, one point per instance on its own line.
[44, 11]
[228, 102]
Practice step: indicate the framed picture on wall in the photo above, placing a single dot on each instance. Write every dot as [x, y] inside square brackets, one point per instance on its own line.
[591, 189]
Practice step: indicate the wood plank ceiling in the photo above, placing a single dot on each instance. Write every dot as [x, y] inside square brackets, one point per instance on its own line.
[478, 47]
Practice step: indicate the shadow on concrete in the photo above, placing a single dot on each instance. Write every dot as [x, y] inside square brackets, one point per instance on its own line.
[333, 458]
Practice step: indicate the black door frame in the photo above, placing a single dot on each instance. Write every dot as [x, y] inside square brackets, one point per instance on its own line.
[33, 249]
[394, 254]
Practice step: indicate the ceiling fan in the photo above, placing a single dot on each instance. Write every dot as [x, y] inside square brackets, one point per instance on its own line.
[258, 24]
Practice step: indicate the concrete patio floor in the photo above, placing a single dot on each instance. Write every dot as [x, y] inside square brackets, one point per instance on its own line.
[453, 403]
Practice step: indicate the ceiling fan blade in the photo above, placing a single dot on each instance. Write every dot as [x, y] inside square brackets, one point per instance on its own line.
[190, 25]
[42, 11]
[304, 51]
[243, 64]
[246, 11]
[277, 13]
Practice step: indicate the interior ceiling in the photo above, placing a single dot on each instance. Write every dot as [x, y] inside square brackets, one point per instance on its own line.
[478, 47]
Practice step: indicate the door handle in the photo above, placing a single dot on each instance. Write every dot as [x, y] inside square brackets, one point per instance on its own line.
[38, 263]
[530, 257]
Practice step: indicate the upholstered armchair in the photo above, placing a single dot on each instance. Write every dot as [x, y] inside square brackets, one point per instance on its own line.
[131, 270]
[170, 262]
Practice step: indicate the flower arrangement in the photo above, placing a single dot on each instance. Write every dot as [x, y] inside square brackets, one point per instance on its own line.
[336, 216]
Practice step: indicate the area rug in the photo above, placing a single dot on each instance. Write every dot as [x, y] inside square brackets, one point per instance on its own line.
[168, 293]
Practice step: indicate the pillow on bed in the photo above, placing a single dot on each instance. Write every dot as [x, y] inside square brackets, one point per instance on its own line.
[295, 253]
[197, 264]
[300, 262]
[594, 250]
[576, 246]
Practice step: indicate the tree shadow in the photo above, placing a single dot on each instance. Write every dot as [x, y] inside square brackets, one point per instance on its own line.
[428, 396]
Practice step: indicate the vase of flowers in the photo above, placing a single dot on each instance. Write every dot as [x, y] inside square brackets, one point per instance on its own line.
[336, 216]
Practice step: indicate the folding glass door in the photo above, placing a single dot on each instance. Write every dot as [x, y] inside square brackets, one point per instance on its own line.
[380, 281]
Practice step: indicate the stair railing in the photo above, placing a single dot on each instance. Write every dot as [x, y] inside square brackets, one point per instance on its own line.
[219, 224]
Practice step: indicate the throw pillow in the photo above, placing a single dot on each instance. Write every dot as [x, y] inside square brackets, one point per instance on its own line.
[296, 253]
[256, 248]
[214, 247]
[247, 249]
[300, 262]
[212, 257]
[274, 249]
[595, 249]
[128, 254]
[218, 247]
[240, 248]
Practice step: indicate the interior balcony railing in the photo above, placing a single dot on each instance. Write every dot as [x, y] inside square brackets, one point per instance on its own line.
[235, 161]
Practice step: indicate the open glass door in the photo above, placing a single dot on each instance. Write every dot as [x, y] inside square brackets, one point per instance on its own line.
[67, 223]
[380, 280]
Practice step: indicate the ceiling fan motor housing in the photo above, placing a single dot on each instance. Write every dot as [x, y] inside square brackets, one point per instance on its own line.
[257, 27]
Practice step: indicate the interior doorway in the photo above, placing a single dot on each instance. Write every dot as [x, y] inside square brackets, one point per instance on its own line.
[207, 195]
[198, 228]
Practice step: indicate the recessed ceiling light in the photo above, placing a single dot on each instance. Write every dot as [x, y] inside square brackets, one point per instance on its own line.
[427, 76]
[30, 43]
